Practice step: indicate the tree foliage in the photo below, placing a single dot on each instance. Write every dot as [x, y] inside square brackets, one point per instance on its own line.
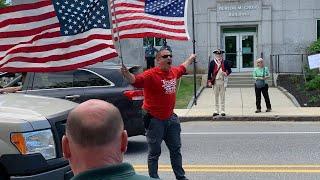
[314, 48]
[3, 3]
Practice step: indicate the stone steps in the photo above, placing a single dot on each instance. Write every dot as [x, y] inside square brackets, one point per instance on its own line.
[245, 79]
[237, 80]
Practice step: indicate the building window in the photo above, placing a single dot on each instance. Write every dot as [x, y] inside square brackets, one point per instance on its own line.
[318, 29]
[154, 41]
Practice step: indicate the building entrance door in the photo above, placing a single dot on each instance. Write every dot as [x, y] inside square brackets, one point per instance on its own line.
[240, 50]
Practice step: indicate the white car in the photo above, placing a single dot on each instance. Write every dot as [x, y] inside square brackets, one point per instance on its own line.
[31, 128]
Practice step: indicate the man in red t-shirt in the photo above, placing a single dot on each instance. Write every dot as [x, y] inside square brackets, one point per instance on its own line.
[161, 123]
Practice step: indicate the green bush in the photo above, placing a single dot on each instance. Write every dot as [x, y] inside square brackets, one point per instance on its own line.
[295, 79]
[314, 99]
[310, 73]
[314, 48]
[313, 84]
[3, 4]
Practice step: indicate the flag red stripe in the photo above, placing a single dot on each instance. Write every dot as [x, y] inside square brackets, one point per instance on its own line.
[150, 34]
[127, 12]
[61, 57]
[46, 35]
[62, 45]
[23, 7]
[30, 32]
[119, 20]
[126, 5]
[111, 1]
[28, 19]
[62, 68]
[151, 26]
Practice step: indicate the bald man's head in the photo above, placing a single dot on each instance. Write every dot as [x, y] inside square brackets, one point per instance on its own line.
[94, 123]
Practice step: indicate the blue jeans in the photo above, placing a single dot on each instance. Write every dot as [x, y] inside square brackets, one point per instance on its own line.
[168, 130]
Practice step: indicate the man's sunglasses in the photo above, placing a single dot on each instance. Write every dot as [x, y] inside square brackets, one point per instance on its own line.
[166, 56]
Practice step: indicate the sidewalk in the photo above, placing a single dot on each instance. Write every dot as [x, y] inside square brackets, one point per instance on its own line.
[240, 105]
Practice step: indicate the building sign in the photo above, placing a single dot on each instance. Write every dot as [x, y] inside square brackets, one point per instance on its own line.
[314, 61]
[239, 11]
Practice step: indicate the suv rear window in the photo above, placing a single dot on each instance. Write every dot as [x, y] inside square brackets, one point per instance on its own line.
[84, 78]
[53, 80]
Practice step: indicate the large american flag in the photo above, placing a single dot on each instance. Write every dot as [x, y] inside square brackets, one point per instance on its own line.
[55, 35]
[150, 18]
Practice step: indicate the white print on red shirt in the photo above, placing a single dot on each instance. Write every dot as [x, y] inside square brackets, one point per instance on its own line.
[169, 86]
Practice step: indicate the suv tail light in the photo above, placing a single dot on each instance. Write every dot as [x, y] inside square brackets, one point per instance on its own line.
[134, 94]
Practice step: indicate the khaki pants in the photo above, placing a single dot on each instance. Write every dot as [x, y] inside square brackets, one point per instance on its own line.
[219, 91]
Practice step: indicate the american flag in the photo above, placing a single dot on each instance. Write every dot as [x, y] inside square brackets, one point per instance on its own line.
[150, 18]
[55, 35]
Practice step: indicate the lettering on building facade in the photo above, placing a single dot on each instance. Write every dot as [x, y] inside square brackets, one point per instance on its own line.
[241, 9]
[238, 10]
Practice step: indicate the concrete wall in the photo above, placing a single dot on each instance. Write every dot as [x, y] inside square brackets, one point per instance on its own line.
[284, 27]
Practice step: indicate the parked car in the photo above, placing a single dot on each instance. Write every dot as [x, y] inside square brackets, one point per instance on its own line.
[31, 129]
[100, 81]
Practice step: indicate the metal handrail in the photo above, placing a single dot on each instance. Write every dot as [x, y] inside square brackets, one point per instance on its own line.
[275, 65]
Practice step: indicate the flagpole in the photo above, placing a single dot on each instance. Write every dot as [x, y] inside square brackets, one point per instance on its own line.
[119, 40]
[194, 51]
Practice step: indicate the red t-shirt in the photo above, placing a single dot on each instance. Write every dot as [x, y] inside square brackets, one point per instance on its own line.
[159, 90]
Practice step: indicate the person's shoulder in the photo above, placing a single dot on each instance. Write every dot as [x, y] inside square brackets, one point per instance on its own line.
[150, 72]
[178, 67]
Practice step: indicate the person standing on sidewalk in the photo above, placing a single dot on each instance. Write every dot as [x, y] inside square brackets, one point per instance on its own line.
[161, 122]
[218, 70]
[150, 54]
[261, 74]
[165, 46]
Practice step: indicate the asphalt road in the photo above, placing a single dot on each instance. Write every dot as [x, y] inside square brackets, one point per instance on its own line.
[239, 150]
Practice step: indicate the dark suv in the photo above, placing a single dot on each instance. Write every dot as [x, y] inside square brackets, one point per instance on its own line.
[100, 81]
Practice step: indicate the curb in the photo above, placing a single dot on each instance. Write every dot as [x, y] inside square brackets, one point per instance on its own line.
[289, 95]
[250, 118]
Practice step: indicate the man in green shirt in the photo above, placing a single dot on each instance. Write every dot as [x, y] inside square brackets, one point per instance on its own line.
[95, 142]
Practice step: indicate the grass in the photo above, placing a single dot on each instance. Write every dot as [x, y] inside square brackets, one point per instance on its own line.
[185, 92]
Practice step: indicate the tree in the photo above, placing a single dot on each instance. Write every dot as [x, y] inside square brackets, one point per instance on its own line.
[314, 48]
[3, 3]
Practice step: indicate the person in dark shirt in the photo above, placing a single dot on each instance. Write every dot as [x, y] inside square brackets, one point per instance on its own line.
[165, 46]
[150, 55]
[95, 142]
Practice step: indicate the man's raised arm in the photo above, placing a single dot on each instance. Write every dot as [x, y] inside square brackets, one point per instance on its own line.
[130, 77]
[189, 60]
